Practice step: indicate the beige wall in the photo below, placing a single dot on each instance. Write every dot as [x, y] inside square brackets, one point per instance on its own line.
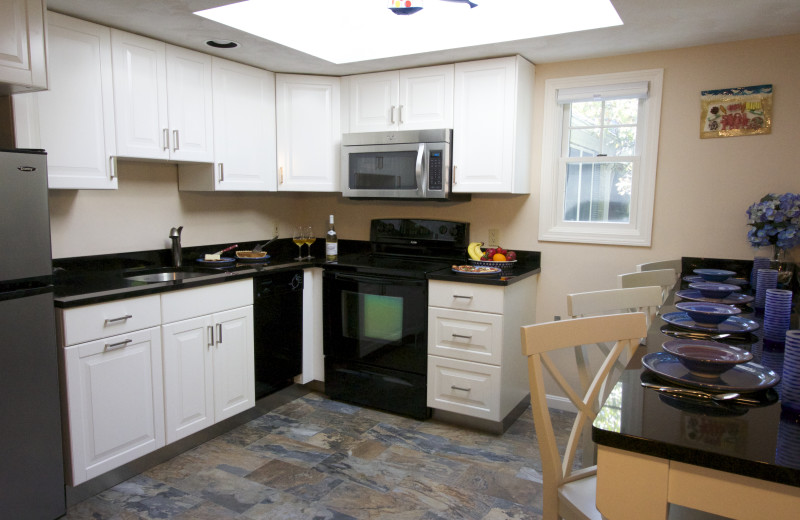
[703, 185]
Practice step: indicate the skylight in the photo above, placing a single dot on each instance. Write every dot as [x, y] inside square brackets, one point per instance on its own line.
[344, 31]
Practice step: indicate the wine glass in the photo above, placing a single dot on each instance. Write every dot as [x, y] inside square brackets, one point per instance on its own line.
[299, 239]
[308, 233]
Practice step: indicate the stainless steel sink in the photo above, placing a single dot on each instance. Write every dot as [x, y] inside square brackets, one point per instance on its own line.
[170, 275]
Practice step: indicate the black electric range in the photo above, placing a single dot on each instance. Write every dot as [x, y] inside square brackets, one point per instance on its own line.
[375, 313]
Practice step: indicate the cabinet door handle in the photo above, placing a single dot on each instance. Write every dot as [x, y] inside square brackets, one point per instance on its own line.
[115, 346]
[400, 115]
[112, 167]
[453, 387]
[165, 136]
[281, 174]
[121, 318]
[459, 296]
[221, 173]
[175, 142]
[392, 115]
[219, 333]
[210, 336]
[462, 336]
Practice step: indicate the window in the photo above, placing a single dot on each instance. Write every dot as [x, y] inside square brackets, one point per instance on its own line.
[599, 158]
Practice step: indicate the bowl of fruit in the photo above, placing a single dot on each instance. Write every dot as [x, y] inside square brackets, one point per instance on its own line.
[492, 257]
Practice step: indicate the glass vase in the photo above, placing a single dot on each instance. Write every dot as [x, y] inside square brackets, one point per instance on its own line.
[785, 269]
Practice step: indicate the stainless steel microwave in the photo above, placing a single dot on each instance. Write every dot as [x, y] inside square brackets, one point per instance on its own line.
[411, 164]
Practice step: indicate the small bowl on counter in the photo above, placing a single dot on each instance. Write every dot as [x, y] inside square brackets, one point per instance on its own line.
[714, 275]
[708, 314]
[714, 290]
[706, 358]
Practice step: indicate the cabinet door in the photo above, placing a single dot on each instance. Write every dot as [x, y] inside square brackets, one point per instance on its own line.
[244, 127]
[483, 122]
[426, 98]
[188, 376]
[374, 102]
[22, 49]
[140, 96]
[74, 119]
[191, 132]
[115, 401]
[234, 386]
[309, 132]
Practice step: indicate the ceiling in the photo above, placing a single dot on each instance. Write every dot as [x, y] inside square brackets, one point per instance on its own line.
[648, 25]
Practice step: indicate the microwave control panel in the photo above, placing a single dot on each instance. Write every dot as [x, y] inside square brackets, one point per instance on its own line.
[435, 170]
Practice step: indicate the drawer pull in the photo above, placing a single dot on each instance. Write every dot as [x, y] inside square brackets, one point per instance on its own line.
[462, 336]
[459, 296]
[121, 318]
[116, 346]
[453, 387]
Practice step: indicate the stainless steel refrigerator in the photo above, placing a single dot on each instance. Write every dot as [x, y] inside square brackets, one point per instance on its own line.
[31, 458]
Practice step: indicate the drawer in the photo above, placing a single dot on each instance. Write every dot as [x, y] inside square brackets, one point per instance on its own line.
[464, 387]
[90, 322]
[466, 296]
[190, 303]
[471, 336]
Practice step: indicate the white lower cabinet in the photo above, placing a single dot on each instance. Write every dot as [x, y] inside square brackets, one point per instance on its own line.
[208, 370]
[475, 362]
[208, 356]
[142, 372]
[115, 402]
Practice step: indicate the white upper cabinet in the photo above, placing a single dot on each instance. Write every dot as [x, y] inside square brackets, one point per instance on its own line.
[308, 132]
[492, 126]
[162, 100]
[244, 132]
[411, 99]
[22, 46]
[74, 119]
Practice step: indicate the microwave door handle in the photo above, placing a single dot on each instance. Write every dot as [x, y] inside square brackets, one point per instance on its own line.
[421, 188]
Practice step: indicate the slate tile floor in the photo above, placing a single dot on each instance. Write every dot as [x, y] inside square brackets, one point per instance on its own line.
[314, 458]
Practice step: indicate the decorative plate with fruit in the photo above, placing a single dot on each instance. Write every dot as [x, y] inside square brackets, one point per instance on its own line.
[476, 269]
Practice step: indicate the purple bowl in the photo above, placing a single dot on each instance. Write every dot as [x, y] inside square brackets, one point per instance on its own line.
[714, 275]
[706, 358]
[708, 314]
[714, 290]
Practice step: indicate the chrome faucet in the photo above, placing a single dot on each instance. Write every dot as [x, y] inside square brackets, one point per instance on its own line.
[175, 236]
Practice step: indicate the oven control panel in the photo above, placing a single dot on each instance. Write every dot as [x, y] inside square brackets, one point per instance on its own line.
[442, 232]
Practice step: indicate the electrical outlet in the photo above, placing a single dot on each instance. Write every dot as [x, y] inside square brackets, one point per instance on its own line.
[275, 231]
[494, 237]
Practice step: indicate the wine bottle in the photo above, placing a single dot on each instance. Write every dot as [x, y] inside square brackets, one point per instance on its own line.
[331, 243]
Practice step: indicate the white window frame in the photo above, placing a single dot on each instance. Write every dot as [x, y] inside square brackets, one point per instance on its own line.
[638, 231]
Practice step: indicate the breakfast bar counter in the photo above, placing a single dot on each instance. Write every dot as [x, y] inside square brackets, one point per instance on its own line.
[733, 459]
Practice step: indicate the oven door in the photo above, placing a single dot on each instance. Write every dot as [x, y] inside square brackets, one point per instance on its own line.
[379, 321]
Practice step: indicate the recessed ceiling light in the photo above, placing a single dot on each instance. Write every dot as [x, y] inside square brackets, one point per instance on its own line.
[222, 44]
[358, 30]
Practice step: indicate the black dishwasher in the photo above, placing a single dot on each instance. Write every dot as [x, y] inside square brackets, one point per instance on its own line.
[278, 329]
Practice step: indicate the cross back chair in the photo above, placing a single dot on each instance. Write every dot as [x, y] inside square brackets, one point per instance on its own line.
[570, 493]
[646, 299]
[661, 264]
[664, 278]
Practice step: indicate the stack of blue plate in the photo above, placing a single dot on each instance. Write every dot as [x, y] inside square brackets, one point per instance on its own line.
[790, 382]
[777, 313]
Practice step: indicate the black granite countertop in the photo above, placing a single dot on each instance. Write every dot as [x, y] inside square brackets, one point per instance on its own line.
[755, 441]
[101, 278]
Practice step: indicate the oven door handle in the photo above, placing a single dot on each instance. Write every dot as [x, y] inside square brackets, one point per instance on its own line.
[422, 189]
[379, 280]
